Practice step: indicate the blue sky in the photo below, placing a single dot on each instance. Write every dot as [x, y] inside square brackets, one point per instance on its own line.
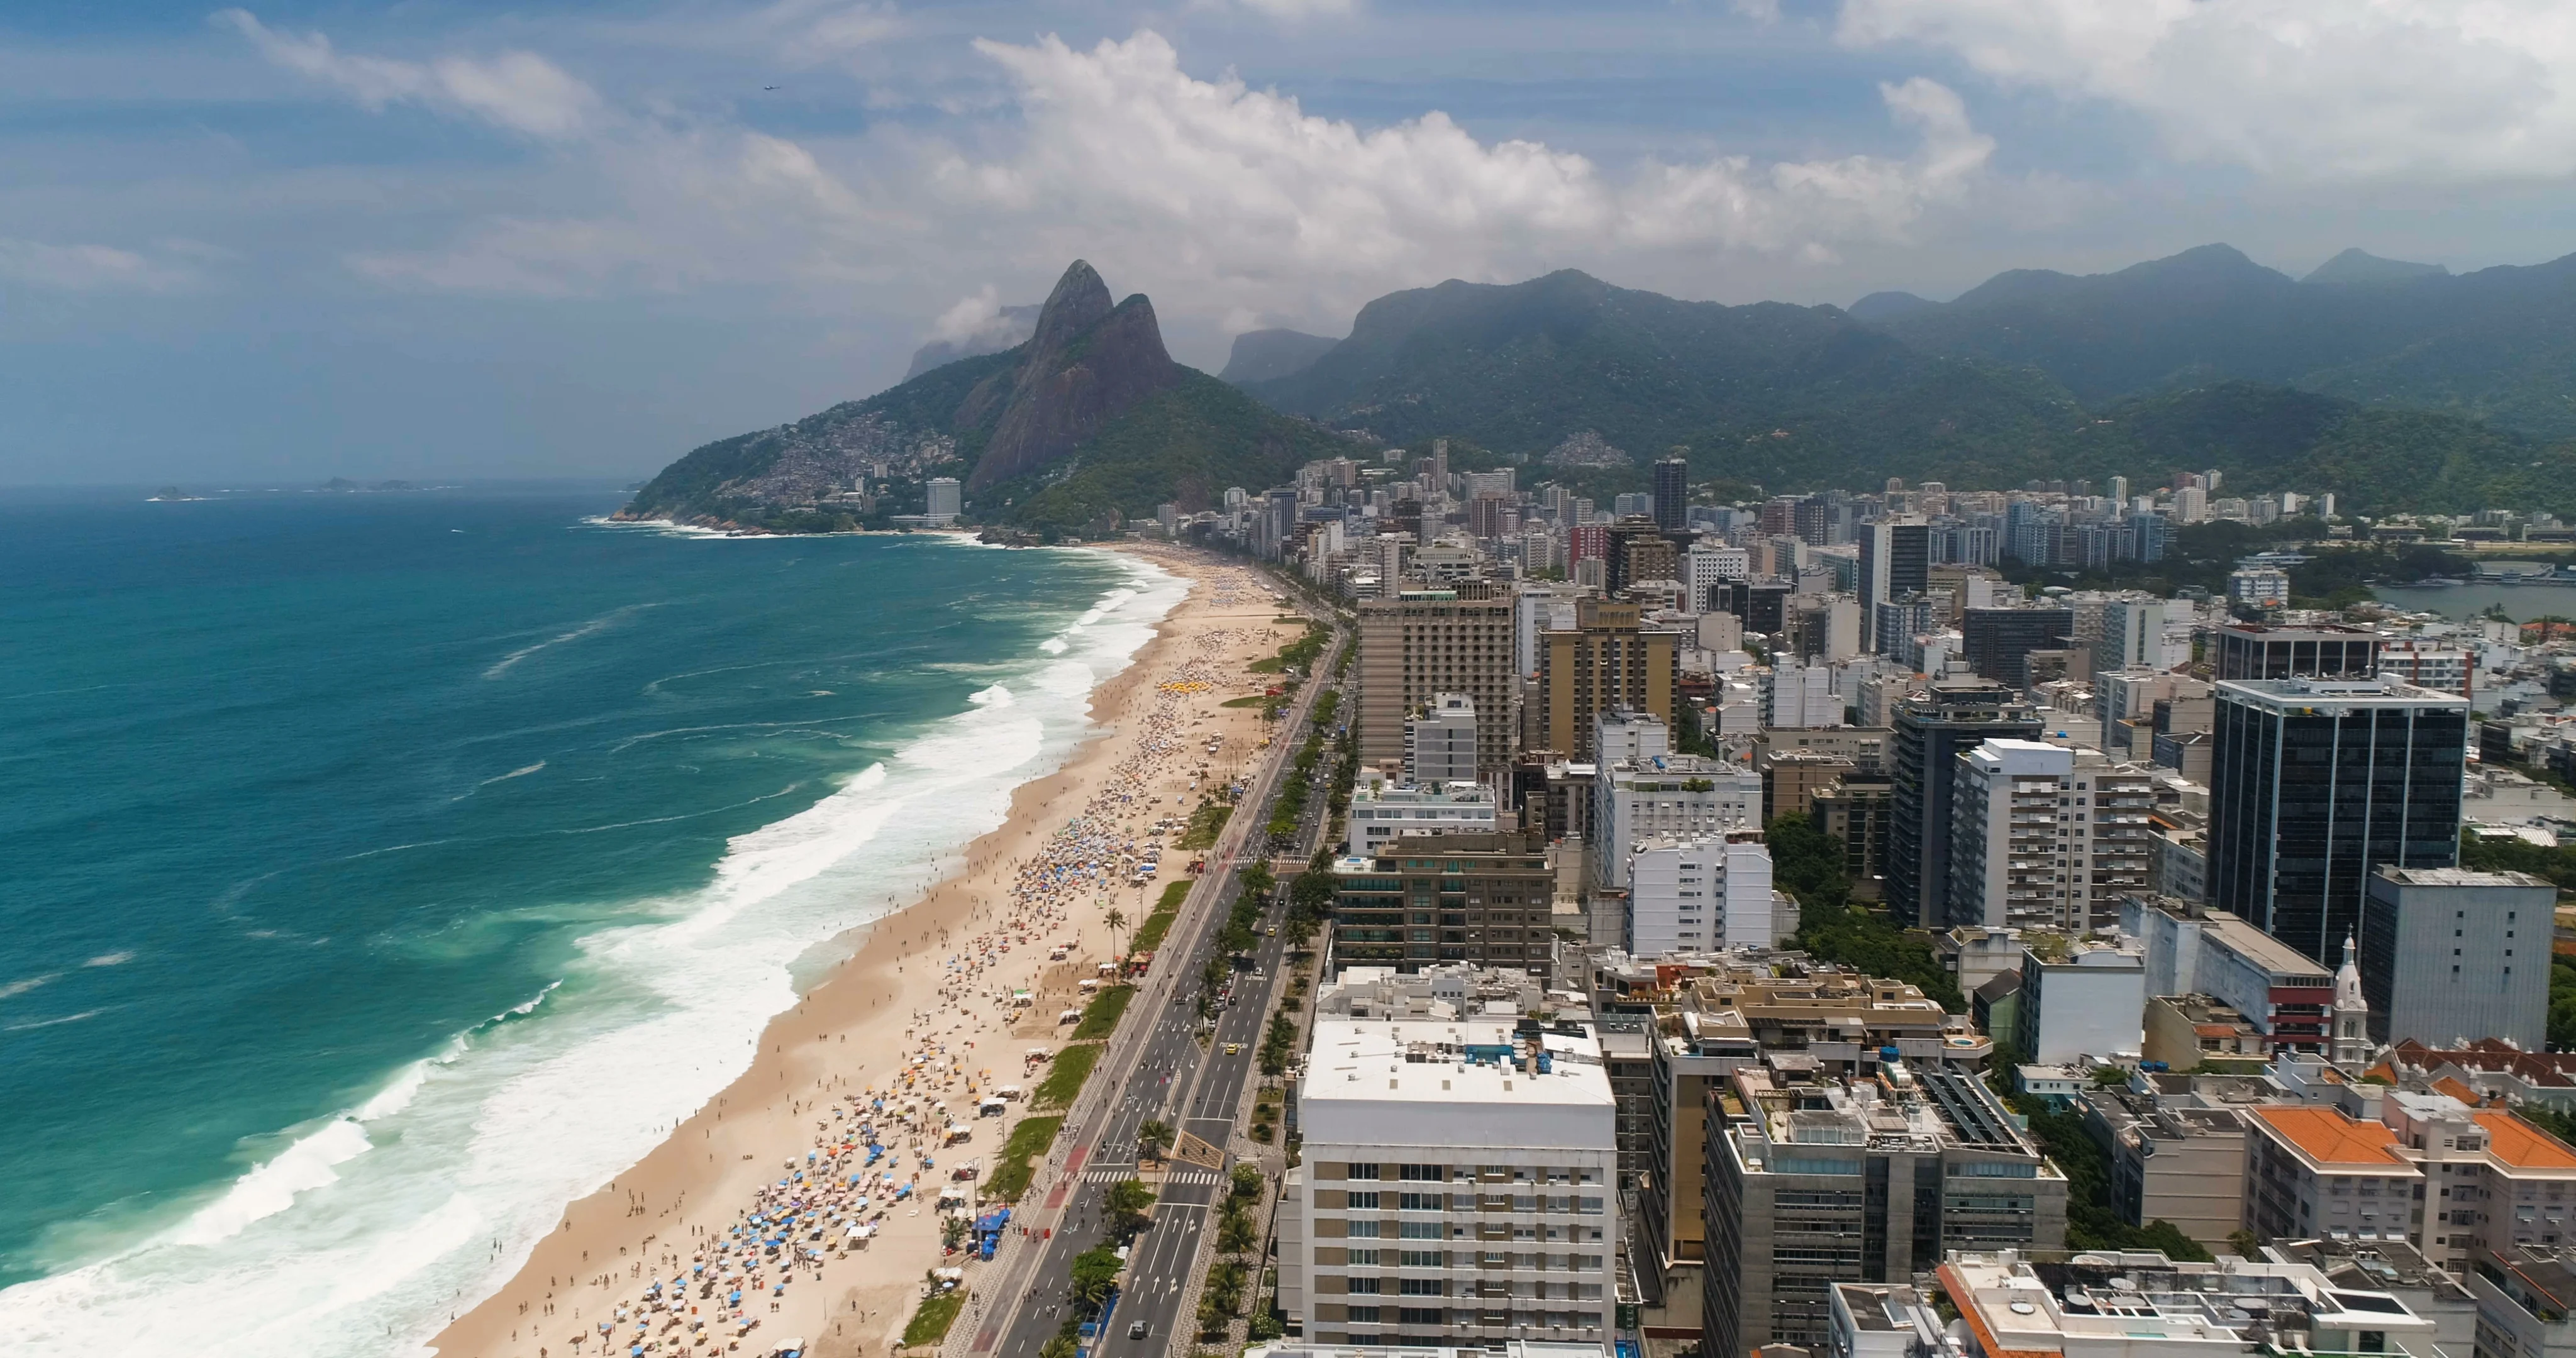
[286, 242]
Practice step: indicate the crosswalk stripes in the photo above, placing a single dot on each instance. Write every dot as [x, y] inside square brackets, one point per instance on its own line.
[1178, 1177]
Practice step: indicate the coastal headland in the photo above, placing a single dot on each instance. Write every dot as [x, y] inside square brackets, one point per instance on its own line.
[922, 1012]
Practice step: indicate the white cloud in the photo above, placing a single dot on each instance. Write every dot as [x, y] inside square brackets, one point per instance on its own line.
[88, 268]
[1251, 202]
[1302, 9]
[520, 91]
[2439, 90]
[974, 318]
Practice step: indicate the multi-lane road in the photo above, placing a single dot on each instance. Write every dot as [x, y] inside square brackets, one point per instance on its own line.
[1165, 1075]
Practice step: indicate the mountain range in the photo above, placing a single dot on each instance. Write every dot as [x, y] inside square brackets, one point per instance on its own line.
[2399, 386]
[1082, 424]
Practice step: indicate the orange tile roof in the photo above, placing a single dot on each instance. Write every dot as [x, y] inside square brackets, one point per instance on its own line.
[2330, 1138]
[2522, 1145]
[2457, 1090]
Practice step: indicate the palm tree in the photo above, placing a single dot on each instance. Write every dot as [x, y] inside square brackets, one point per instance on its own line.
[1235, 1233]
[1152, 1137]
[1116, 921]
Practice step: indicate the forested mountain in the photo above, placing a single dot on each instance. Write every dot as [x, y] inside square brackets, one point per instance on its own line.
[1087, 419]
[2202, 360]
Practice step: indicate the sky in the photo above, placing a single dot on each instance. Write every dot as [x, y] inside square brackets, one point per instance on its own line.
[434, 239]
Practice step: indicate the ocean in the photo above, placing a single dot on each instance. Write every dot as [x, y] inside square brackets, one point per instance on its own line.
[384, 870]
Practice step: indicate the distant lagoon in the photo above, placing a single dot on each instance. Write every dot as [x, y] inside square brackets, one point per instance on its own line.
[2519, 602]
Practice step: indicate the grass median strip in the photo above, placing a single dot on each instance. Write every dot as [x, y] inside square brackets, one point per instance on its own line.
[1100, 1017]
[1149, 935]
[1064, 1078]
[1012, 1172]
[930, 1324]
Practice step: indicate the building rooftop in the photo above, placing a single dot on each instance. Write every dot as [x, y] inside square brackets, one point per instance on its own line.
[2328, 1137]
[2458, 877]
[2140, 1302]
[1902, 1109]
[2341, 693]
[1466, 1060]
[2522, 1145]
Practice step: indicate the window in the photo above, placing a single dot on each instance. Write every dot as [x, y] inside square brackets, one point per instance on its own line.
[1422, 1173]
[1422, 1287]
[1367, 1287]
[1418, 1315]
[1364, 1315]
[1363, 1171]
[1363, 1202]
[1422, 1230]
[1363, 1230]
[1418, 1202]
[1363, 1256]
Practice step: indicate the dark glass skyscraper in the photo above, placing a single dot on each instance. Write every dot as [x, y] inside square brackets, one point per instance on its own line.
[1672, 494]
[1895, 561]
[1957, 712]
[2313, 783]
[1997, 642]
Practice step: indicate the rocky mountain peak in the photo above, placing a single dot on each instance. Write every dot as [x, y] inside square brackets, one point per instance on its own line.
[1085, 364]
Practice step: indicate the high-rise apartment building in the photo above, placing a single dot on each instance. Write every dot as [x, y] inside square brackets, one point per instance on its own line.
[1423, 643]
[1474, 898]
[1953, 713]
[1638, 550]
[1840, 1181]
[1672, 494]
[1895, 561]
[1456, 1186]
[1440, 742]
[2450, 956]
[946, 497]
[1699, 893]
[1658, 795]
[2046, 837]
[2314, 783]
[1608, 661]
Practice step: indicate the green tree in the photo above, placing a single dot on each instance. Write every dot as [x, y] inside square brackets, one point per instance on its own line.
[1128, 1204]
[1248, 1181]
[1094, 1272]
[1152, 1138]
[1116, 920]
[952, 1233]
[1235, 1233]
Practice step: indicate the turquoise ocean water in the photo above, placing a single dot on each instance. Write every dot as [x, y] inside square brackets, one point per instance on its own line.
[380, 871]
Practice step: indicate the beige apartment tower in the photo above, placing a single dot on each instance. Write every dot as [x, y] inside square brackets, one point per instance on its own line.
[1607, 662]
[1428, 642]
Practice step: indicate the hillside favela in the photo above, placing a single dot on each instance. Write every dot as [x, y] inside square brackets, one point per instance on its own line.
[1289, 679]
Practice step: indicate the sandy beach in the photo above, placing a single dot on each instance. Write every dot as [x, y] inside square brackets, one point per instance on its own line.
[921, 1011]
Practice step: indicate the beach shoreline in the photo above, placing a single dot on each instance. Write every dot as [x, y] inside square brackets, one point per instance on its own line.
[901, 1000]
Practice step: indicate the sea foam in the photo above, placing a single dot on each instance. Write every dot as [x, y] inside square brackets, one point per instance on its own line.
[370, 1229]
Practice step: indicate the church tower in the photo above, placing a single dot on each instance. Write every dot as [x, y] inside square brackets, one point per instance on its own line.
[2349, 1046]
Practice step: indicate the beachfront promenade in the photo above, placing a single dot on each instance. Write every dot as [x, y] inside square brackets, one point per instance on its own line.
[1155, 1068]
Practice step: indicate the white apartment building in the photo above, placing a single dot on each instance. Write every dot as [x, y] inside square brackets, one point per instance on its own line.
[1456, 1185]
[1707, 563]
[1383, 811]
[2450, 669]
[2446, 1178]
[1440, 742]
[2261, 586]
[946, 497]
[2046, 837]
[1802, 697]
[2092, 1001]
[1665, 795]
[1699, 894]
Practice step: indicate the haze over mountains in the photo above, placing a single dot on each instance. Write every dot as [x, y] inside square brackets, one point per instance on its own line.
[2398, 385]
